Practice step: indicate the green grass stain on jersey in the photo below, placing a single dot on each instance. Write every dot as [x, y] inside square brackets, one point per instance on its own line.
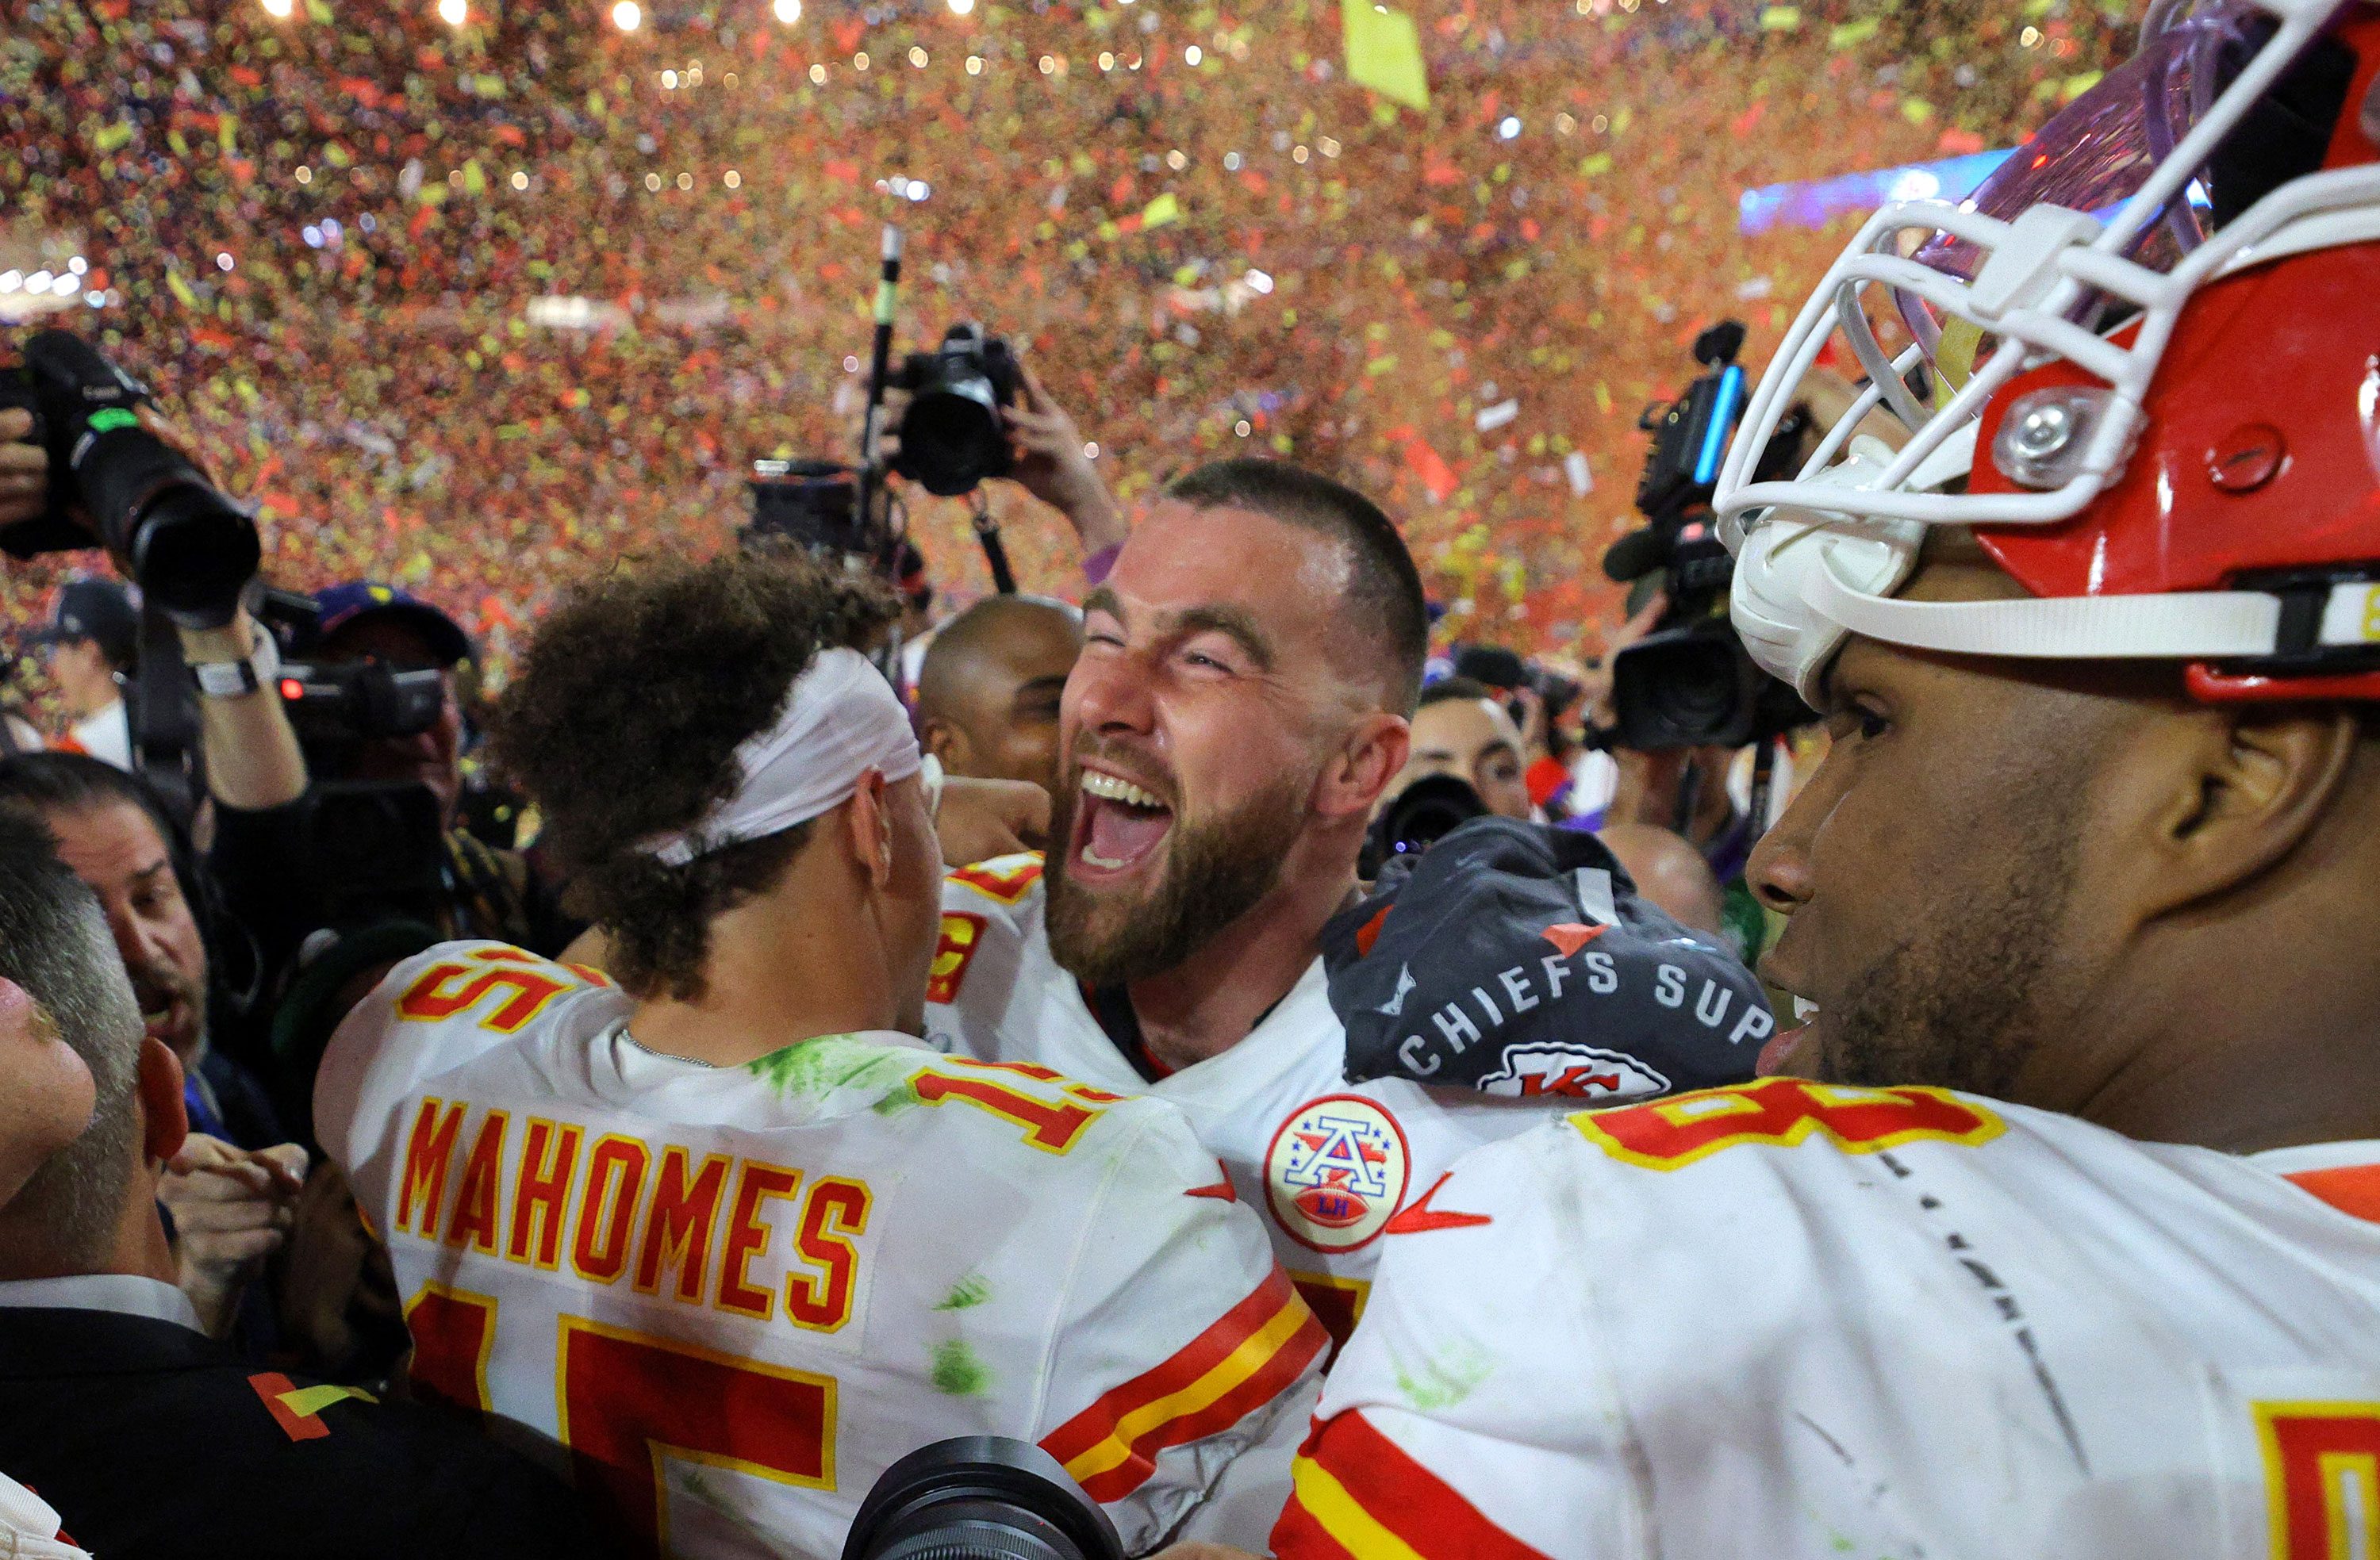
[815, 1069]
[971, 1290]
[898, 1098]
[1443, 1381]
[958, 1371]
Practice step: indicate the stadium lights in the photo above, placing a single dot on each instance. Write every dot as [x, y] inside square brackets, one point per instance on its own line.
[626, 16]
[961, 7]
[277, 9]
[453, 13]
[788, 11]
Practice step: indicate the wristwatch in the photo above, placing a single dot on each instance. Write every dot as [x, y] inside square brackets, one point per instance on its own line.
[230, 678]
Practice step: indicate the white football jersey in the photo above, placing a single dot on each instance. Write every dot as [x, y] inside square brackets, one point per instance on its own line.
[1795, 1319]
[1327, 1162]
[739, 1294]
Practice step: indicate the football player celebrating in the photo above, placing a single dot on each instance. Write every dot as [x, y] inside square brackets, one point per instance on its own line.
[1240, 704]
[726, 1231]
[2098, 836]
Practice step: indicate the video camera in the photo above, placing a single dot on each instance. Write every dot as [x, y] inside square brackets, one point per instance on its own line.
[1689, 683]
[375, 849]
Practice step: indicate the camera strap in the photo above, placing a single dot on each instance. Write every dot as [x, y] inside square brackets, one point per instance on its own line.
[995, 551]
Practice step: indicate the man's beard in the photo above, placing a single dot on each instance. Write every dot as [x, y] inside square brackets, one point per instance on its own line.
[1215, 871]
[1963, 1003]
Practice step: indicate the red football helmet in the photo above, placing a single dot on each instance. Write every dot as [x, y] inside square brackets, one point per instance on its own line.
[2150, 344]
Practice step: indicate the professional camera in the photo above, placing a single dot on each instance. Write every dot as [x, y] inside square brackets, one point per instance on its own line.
[190, 549]
[360, 701]
[1416, 819]
[1689, 683]
[952, 437]
[980, 1497]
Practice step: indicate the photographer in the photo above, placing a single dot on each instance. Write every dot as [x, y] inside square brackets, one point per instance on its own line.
[277, 816]
[93, 642]
[1461, 729]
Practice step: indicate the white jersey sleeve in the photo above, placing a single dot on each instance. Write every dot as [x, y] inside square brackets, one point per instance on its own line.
[428, 1015]
[1427, 1443]
[1175, 1270]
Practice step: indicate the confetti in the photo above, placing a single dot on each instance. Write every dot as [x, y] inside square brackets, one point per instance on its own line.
[1445, 254]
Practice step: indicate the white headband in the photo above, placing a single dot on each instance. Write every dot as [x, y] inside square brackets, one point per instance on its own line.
[841, 720]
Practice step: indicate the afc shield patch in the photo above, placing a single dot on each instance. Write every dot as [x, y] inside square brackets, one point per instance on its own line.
[1336, 1172]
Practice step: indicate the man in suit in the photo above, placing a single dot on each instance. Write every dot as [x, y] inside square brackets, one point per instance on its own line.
[149, 1438]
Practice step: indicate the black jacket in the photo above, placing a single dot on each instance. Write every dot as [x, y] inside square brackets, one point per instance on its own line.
[155, 1443]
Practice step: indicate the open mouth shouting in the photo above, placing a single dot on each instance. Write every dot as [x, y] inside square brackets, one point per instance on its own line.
[1118, 825]
[166, 1014]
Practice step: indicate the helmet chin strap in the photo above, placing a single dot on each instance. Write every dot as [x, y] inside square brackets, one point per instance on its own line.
[2193, 625]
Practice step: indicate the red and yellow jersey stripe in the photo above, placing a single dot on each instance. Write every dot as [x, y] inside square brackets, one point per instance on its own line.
[1358, 1495]
[1257, 1352]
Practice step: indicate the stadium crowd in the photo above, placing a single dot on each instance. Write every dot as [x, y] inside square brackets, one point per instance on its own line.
[1224, 1061]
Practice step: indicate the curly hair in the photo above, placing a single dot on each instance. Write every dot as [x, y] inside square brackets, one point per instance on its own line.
[624, 721]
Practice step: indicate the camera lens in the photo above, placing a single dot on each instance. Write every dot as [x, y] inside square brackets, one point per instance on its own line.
[1423, 813]
[191, 551]
[951, 437]
[980, 1497]
[1703, 688]
[1684, 687]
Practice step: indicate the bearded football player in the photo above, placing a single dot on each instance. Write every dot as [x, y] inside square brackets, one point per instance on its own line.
[1242, 701]
[727, 1229]
[2064, 1244]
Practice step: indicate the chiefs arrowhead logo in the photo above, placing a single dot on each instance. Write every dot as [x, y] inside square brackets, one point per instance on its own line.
[1580, 1072]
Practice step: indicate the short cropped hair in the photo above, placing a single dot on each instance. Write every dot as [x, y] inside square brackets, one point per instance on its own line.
[624, 721]
[1446, 690]
[55, 943]
[76, 783]
[958, 642]
[1384, 595]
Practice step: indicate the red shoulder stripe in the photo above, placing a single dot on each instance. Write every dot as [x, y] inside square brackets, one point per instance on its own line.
[1366, 1496]
[1251, 1355]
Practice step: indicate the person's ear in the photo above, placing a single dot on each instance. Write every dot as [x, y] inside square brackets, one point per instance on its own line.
[2253, 783]
[872, 830]
[164, 1118]
[1371, 754]
[944, 740]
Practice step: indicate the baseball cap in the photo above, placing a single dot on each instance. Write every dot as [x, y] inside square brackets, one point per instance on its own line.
[355, 599]
[97, 610]
[1518, 959]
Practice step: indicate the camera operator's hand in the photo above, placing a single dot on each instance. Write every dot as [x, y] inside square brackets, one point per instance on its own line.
[252, 757]
[231, 1210]
[982, 818]
[24, 468]
[1051, 466]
